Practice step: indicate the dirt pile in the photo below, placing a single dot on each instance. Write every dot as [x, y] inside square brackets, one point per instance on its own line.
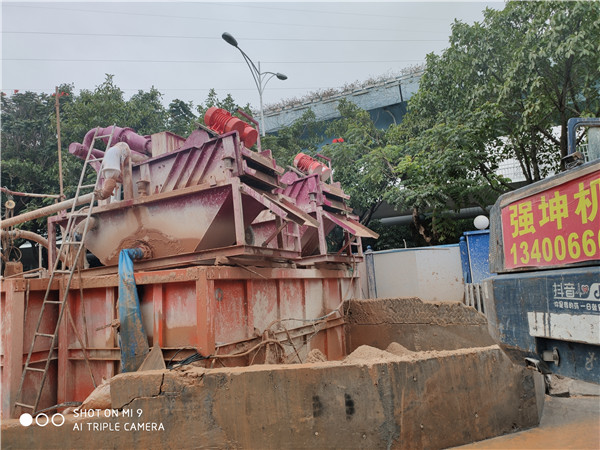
[398, 349]
[413, 324]
[367, 354]
[98, 399]
[315, 356]
[410, 311]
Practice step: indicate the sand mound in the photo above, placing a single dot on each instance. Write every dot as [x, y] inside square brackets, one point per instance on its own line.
[315, 355]
[398, 349]
[367, 354]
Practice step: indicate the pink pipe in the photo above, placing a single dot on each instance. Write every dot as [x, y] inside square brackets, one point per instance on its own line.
[80, 151]
[137, 143]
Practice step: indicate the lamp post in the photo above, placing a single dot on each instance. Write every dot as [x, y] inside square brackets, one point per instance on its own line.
[259, 77]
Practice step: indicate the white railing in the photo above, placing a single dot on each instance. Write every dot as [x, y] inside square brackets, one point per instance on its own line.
[474, 296]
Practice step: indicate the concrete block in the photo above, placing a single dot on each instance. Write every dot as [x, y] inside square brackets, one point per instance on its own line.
[127, 386]
[421, 400]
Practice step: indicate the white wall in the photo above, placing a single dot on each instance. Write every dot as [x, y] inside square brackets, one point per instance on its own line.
[430, 273]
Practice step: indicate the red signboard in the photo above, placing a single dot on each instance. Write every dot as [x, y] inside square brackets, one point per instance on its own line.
[560, 225]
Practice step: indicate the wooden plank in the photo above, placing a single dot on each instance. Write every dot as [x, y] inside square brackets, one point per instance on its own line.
[65, 388]
[238, 213]
[154, 360]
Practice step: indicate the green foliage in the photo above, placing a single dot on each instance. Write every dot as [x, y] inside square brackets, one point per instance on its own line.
[304, 135]
[103, 107]
[181, 117]
[29, 149]
[495, 94]
[514, 76]
[361, 162]
[228, 103]
[146, 113]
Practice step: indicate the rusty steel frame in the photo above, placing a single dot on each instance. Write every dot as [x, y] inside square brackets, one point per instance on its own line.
[290, 291]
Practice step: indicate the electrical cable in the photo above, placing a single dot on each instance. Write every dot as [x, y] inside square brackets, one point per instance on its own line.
[170, 36]
[188, 61]
[60, 405]
[190, 359]
[210, 19]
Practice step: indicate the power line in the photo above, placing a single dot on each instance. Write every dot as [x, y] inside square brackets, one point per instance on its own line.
[60, 33]
[339, 13]
[208, 62]
[210, 19]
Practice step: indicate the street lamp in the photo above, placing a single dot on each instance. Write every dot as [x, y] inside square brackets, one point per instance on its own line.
[259, 77]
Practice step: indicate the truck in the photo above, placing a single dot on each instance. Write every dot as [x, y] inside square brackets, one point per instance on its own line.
[543, 300]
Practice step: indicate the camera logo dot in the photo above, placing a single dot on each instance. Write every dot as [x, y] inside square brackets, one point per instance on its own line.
[26, 419]
[58, 420]
[42, 420]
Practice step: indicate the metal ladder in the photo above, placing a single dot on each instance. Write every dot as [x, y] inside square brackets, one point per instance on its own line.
[69, 241]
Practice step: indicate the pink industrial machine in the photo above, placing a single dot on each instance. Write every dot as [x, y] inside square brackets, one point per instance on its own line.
[235, 263]
[194, 199]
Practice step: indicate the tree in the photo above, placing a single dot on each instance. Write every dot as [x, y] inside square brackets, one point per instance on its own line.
[361, 161]
[181, 118]
[228, 104]
[522, 71]
[304, 135]
[494, 94]
[145, 112]
[102, 107]
[29, 149]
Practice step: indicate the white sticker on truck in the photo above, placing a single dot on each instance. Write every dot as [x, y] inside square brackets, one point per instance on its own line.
[566, 327]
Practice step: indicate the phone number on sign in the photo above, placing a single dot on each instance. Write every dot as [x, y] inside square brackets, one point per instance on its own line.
[556, 249]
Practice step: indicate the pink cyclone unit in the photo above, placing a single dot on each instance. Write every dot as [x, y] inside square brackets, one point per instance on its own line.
[141, 145]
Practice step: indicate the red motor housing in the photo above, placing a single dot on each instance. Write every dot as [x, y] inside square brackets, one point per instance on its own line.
[222, 121]
[311, 166]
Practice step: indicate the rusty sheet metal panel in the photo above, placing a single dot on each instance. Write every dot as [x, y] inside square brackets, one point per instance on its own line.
[212, 310]
[164, 142]
[93, 318]
[20, 304]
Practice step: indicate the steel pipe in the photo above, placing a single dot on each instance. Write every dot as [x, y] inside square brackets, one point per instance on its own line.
[45, 211]
[29, 235]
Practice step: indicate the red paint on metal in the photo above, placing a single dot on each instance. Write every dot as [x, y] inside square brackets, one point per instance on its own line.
[311, 166]
[223, 122]
[20, 304]
[560, 225]
[203, 308]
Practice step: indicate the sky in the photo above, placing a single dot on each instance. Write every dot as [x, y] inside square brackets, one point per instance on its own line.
[177, 46]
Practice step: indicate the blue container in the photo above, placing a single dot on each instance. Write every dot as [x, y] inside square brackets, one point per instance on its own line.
[474, 252]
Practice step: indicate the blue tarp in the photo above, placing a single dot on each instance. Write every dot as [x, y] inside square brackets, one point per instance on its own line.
[132, 338]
